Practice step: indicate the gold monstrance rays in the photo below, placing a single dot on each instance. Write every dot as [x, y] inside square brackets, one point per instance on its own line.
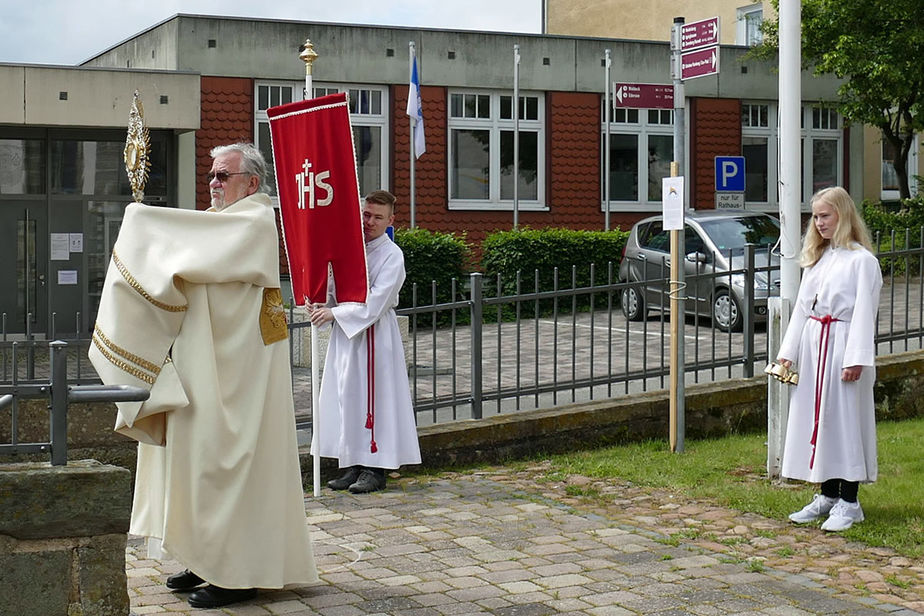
[137, 146]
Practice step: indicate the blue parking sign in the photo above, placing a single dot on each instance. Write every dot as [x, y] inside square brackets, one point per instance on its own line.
[729, 173]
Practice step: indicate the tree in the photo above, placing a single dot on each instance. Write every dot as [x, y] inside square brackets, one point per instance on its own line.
[877, 48]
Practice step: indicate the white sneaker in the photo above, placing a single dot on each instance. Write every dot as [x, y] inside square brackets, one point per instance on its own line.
[843, 515]
[819, 506]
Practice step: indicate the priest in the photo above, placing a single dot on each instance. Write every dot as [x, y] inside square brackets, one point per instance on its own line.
[191, 309]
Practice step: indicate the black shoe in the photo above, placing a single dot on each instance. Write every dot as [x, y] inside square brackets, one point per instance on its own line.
[346, 480]
[186, 580]
[216, 596]
[369, 481]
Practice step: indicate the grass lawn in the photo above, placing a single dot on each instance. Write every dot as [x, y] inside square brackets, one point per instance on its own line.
[731, 472]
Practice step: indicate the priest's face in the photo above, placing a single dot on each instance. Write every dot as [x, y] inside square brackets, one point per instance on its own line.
[376, 218]
[825, 218]
[227, 184]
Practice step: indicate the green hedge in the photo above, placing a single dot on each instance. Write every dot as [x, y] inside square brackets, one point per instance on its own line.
[531, 250]
[430, 256]
[882, 220]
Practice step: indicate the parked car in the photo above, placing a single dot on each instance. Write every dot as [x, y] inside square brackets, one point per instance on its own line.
[714, 242]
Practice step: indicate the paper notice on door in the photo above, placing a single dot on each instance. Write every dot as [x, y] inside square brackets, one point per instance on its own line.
[67, 277]
[60, 246]
[75, 242]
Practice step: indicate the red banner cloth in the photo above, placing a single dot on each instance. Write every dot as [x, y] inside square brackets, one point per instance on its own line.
[319, 196]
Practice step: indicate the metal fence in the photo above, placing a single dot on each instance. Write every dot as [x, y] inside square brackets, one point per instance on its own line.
[506, 345]
[59, 393]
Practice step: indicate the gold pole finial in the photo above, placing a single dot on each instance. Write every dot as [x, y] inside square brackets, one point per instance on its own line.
[308, 55]
[137, 146]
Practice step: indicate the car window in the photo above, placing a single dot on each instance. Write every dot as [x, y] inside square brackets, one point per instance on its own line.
[732, 233]
[656, 238]
[692, 242]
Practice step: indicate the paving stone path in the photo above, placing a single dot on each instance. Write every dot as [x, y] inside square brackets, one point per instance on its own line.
[511, 543]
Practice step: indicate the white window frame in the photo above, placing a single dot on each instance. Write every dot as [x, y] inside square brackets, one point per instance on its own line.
[829, 127]
[621, 123]
[763, 130]
[894, 195]
[495, 125]
[746, 14]
[297, 90]
[821, 130]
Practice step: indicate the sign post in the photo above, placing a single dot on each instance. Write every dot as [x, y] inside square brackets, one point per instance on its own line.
[677, 419]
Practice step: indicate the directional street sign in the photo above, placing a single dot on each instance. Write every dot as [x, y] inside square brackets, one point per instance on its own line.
[699, 63]
[699, 34]
[643, 95]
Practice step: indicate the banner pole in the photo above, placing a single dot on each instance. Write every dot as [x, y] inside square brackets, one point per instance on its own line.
[308, 56]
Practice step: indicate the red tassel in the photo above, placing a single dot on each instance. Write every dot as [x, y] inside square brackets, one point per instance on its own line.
[369, 423]
[373, 447]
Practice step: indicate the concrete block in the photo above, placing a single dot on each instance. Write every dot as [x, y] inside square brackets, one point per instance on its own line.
[35, 583]
[82, 499]
[101, 576]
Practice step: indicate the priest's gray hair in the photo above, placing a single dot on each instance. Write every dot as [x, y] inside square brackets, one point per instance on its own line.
[252, 160]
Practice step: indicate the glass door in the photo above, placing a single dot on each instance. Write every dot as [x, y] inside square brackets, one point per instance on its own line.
[24, 246]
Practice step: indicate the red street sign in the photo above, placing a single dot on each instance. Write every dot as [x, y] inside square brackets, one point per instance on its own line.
[699, 34]
[643, 95]
[699, 63]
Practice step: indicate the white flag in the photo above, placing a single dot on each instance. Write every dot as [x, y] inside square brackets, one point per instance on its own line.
[415, 110]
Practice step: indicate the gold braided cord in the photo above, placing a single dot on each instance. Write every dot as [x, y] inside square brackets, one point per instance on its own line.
[135, 359]
[118, 363]
[137, 287]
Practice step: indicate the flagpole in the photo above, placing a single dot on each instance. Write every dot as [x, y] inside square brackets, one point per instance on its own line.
[606, 141]
[516, 135]
[308, 55]
[412, 53]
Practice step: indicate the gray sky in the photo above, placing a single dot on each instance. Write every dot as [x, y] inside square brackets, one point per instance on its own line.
[71, 31]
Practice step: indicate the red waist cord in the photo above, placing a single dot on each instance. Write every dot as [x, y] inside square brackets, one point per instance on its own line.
[819, 374]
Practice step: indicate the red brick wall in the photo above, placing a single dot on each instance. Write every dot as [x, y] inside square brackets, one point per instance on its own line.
[226, 117]
[430, 169]
[715, 130]
[572, 168]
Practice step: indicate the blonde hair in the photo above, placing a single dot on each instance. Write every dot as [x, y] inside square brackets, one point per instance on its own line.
[850, 230]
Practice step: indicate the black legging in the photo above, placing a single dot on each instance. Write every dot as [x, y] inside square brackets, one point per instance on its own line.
[838, 488]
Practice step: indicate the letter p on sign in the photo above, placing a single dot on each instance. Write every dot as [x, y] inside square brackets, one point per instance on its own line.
[729, 173]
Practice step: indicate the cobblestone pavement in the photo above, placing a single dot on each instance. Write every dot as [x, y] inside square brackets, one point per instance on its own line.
[509, 543]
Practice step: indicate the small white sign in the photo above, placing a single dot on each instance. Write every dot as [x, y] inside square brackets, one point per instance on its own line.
[75, 241]
[672, 202]
[729, 201]
[67, 277]
[60, 246]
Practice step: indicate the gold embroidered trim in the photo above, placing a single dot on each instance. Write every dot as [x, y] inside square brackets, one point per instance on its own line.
[149, 366]
[115, 361]
[137, 287]
[273, 325]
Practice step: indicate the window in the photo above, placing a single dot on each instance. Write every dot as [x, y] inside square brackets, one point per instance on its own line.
[890, 188]
[368, 116]
[481, 145]
[756, 146]
[822, 152]
[641, 151]
[22, 168]
[748, 28]
[822, 144]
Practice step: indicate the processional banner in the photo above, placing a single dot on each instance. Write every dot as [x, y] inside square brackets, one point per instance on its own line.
[319, 198]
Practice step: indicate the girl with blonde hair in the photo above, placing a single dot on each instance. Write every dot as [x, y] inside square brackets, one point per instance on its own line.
[831, 432]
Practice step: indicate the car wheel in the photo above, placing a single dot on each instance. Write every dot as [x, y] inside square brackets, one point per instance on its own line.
[726, 314]
[633, 305]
